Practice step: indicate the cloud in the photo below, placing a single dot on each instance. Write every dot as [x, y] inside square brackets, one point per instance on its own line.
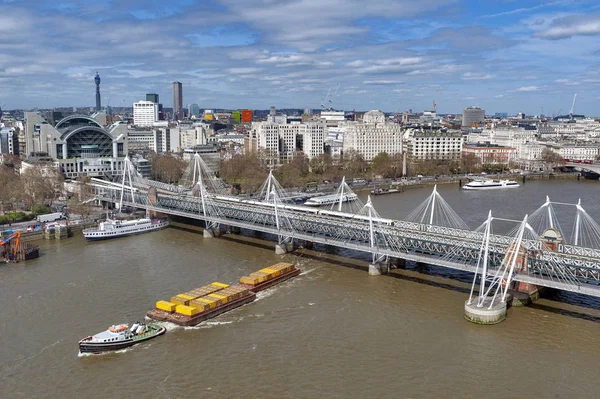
[528, 88]
[499, 96]
[573, 25]
[476, 76]
[474, 38]
[523, 10]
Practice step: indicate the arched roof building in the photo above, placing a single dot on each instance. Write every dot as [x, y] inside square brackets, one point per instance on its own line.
[83, 146]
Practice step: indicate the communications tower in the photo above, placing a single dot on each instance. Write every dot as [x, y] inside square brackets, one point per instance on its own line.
[97, 81]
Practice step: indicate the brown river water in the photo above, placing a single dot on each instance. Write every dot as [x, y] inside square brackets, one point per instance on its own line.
[332, 332]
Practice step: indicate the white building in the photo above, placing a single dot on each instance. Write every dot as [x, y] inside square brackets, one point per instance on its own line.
[425, 144]
[196, 134]
[145, 113]
[160, 140]
[79, 143]
[373, 136]
[332, 118]
[281, 141]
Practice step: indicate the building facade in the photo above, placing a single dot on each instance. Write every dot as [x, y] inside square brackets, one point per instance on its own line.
[145, 113]
[177, 101]
[437, 145]
[489, 154]
[9, 141]
[373, 136]
[281, 141]
[472, 116]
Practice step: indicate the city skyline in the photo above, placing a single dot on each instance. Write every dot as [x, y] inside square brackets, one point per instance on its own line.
[504, 57]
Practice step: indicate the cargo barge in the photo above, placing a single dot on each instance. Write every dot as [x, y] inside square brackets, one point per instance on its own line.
[269, 276]
[200, 304]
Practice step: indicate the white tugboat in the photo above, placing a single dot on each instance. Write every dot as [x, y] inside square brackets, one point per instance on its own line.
[120, 337]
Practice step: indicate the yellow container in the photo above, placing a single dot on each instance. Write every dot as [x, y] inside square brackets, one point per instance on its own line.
[186, 310]
[219, 297]
[249, 280]
[166, 306]
[211, 302]
[201, 306]
[181, 299]
[220, 285]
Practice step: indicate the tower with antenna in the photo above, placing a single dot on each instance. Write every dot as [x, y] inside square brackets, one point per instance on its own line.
[572, 107]
[97, 81]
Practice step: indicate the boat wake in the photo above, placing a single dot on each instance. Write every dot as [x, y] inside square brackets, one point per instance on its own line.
[125, 350]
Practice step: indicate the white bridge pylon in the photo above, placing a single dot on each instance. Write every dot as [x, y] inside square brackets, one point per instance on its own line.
[347, 200]
[436, 211]
[500, 281]
[585, 231]
[201, 174]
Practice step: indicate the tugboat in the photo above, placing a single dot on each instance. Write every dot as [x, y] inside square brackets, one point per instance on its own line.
[120, 337]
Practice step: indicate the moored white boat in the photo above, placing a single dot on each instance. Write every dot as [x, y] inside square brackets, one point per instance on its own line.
[121, 228]
[330, 199]
[488, 184]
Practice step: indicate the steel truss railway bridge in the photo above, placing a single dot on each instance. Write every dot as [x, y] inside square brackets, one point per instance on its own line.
[535, 252]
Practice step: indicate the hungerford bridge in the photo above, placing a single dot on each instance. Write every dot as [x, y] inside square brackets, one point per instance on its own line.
[535, 253]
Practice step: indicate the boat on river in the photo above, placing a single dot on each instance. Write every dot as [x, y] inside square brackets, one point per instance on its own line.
[488, 184]
[121, 228]
[330, 199]
[120, 337]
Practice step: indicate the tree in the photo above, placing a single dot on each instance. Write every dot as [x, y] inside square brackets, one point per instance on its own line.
[551, 159]
[11, 187]
[293, 173]
[354, 164]
[166, 168]
[245, 170]
[80, 204]
[42, 184]
[382, 165]
[469, 162]
[321, 164]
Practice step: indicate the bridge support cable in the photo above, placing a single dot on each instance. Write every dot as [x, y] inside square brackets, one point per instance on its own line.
[436, 211]
[544, 218]
[128, 173]
[285, 230]
[345, 202]
[586, 231]
[269, 185]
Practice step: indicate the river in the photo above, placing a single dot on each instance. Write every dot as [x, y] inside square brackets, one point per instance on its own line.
[332, 332]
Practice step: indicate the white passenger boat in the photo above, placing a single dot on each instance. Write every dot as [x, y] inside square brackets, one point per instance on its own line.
[120, 228]
[330, 199]
[487, 184]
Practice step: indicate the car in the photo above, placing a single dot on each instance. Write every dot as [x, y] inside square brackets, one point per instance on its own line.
[483, 173]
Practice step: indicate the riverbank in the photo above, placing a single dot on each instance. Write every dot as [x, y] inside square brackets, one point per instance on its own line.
[431, 181]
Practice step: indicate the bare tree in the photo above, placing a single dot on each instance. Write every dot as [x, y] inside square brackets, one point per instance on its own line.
[551, 159]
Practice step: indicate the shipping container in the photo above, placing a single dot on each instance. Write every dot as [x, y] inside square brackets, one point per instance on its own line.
[249, 280]
[221, 285]
[166, 306]
[181, 299]
[186, 310]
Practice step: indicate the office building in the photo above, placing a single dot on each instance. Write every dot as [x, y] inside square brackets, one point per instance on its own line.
[472, 116]
[153, 97]
[145, 113]
[194, 110]
[373, 136]
[177, 101]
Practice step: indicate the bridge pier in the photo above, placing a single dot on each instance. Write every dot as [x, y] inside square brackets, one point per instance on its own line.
[524, 294]
[378, 268]
[235, 230]
[485, 314]
[284, 248]
[211, 232]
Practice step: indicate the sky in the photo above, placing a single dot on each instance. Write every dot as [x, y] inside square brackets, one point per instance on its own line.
[505, 56]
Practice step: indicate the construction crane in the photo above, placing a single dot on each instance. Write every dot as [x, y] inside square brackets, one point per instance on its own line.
[329, 99]
[573, 106]
[434, 103]
[16, 235]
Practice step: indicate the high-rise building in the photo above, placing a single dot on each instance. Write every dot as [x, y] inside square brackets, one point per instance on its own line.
[152, 97]
[472, 115]
[272, 111]
[177, 101]
[194, 110]
[145, 113]
[97, 81]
